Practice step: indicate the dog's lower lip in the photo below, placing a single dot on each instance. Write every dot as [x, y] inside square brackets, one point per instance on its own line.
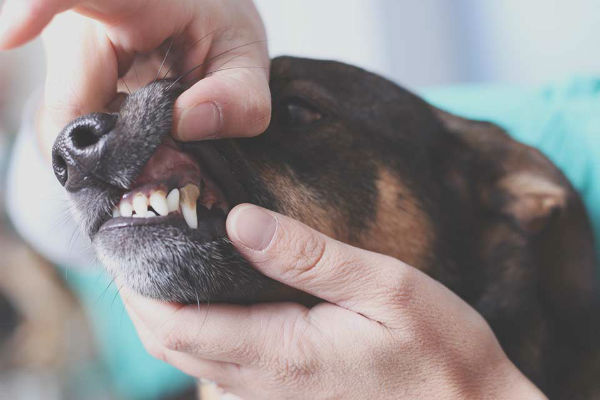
[124, 222]
[211, 225]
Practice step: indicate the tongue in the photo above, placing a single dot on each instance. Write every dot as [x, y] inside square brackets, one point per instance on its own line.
[169, 164]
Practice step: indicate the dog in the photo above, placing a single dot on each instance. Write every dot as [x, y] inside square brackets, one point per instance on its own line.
[366, 162]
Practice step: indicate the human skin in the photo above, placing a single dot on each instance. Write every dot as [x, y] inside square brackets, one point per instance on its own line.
[386, 330]
[91, 44]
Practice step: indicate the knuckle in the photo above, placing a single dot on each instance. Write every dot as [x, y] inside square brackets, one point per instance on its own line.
[296, 363]
[156, 351]
[308, 256]
[172, 340]
[294, 371]
[399, 290]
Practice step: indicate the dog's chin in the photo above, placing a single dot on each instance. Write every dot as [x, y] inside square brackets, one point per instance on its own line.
[170, 263]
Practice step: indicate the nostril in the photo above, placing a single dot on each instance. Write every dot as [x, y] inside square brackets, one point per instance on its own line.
[60, 168]
[79, 148]
[83, 136]
[87, 131]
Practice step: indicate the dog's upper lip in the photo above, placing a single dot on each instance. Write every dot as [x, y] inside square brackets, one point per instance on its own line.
[168, 161]
[219, 168]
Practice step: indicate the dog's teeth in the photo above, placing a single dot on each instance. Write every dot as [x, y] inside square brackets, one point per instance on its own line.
[125, 208]
[189, 196]
[140, 204]
[173, 200]
[158, 201]
[190, 215]
[151, 214]
[115, 212]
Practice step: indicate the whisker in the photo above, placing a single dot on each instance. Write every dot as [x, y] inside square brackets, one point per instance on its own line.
[137, 76]
[194, 44]
[165, 58]
[184, 75]
[118, 292]
[212, 59]
[101, 296]
[229, 60]
[197, 300]
[191, 46]
[239, 67]
[127, 86]
[205, 315]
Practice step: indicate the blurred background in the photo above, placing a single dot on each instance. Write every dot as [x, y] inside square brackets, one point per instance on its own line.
[418, 44]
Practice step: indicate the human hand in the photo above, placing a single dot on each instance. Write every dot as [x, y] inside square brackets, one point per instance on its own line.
[386, 331]
[96, 42]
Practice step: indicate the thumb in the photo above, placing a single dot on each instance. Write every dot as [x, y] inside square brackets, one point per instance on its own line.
[292, 253]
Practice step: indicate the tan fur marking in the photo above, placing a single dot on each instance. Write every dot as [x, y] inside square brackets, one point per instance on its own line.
[401, 228]
[300, 203]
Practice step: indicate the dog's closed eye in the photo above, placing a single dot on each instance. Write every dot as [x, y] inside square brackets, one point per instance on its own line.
[298, 112]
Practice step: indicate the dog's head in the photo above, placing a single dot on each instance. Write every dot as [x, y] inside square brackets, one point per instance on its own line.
[347, 152]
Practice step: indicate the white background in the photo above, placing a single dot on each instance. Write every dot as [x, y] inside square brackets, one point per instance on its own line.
[415, 42]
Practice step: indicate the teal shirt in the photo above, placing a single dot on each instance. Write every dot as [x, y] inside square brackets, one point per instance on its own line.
[563, 121]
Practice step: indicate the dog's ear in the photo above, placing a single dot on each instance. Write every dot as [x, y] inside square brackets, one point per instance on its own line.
[532, 200]
[518, 181]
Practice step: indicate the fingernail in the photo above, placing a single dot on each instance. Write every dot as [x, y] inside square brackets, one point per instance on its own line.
[254, 227]
[200, 122]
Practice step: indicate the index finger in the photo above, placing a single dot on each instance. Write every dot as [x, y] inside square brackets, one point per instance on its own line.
[21, 21]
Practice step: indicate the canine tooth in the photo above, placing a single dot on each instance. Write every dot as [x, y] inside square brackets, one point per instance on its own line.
[140, 204]
[173, 200]
[125, 208]
[190, 215]
[115, 212]
[190, 193]
[189, 196]
[158, 201]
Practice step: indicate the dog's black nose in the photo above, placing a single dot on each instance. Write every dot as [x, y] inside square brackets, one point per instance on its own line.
[78, 149]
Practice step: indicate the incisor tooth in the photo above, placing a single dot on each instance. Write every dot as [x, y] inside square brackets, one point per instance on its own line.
[173, 200]
[115, 212]
[189, 196]
[140, 204]
[125, 208]
[158, 201]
